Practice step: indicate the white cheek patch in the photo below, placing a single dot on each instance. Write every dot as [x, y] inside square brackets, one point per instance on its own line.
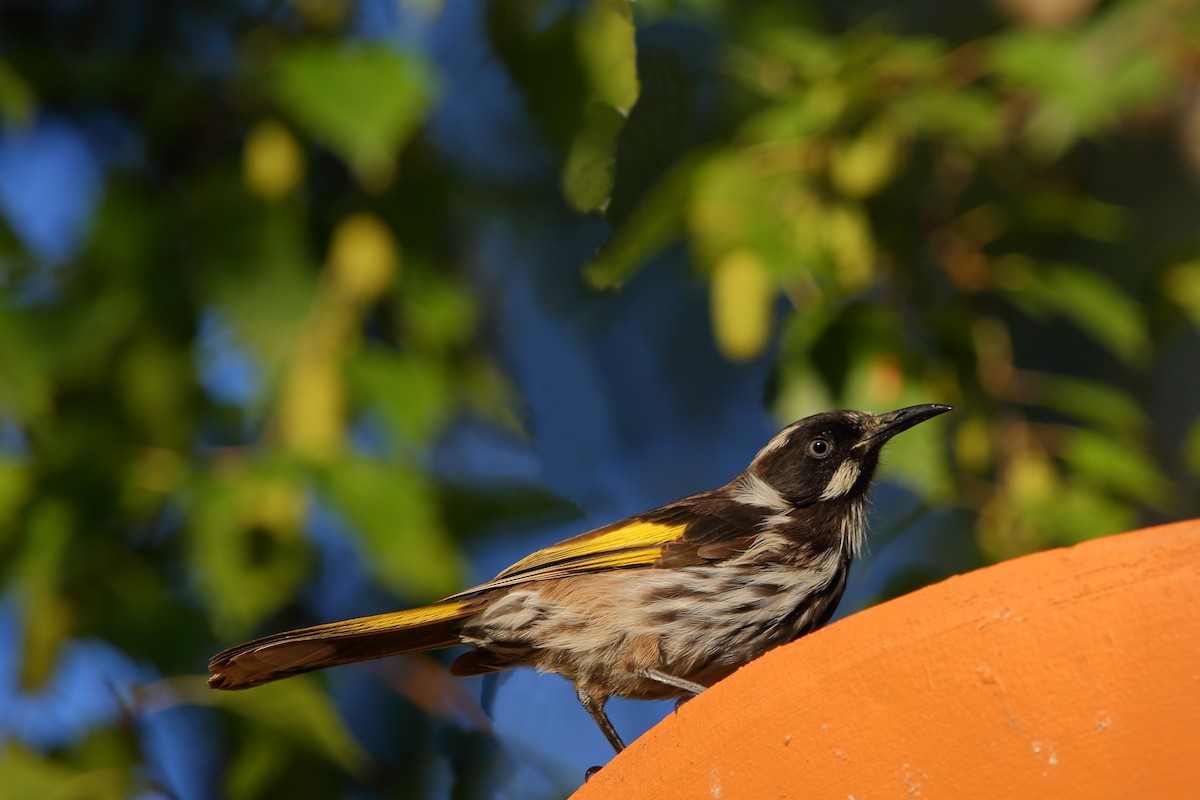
[843, 480]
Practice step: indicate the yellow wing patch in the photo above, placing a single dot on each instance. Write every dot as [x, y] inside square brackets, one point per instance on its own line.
[623, 558]
[602, 542]
[641, 557]
[393, 620]
[624, 544]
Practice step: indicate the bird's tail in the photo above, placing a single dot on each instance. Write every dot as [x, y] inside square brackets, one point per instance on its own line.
[283, 655]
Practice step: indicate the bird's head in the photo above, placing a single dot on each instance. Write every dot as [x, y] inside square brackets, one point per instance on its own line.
[832, 456]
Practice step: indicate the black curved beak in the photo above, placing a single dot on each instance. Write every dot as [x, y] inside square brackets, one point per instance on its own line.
[888, 425]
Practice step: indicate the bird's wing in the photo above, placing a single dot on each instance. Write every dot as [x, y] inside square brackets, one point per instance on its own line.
[696, 530]
[718, 529]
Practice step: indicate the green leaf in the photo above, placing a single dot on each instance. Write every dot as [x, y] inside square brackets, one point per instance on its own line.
[297, 710]
[1090, 400]
[967, 116]
[439, 313]
[39, 575]
[608, 53]
[261, 280]
[394, 511]
[811, 54]
[26, 774]
[725, 205]
[655, 223]
[1101, 308]
[735, 205]
[15, 484]
[1181, 284]
[1050, 66]
[363, 102]
[37, 350]
[245, 545]
[257, 763]
[1059, 70]
[1082, 512]
[1116, 466]
[155, 382]
[798, 118]
[17, 99]
[413, 393]
[1103, 222]
[848, 241]
[591, 158]
[1093, 302]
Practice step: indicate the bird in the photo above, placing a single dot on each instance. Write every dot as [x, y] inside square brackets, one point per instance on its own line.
[659, 605]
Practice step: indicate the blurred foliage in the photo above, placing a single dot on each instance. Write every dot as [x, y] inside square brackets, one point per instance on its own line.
[991, 212]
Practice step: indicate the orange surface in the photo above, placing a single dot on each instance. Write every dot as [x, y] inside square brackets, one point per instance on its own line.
[1071, 673]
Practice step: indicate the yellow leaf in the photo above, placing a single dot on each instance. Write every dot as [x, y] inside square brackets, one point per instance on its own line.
[973, 444]
[363, 258]
[312, 408]
[278, 506]
[742, 295]
[1031, 479]
[861, 166]
[1182, 285]
[848, 237]
[272, 162]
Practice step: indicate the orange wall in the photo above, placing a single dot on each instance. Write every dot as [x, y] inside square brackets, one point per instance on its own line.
[1069, 673]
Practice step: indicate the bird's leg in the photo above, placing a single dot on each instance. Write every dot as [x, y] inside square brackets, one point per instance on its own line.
[691, 687]
[594, 705]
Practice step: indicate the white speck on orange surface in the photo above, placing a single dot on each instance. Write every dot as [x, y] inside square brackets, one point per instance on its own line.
[912, 780]
[1045, 749]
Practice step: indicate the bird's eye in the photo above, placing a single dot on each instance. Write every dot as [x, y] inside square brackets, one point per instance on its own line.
[819, 448]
